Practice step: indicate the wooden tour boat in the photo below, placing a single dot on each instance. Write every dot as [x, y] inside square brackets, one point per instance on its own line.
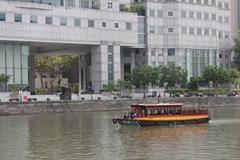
[163, 114]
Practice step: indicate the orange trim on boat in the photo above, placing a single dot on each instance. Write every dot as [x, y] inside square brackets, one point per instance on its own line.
[171, 118]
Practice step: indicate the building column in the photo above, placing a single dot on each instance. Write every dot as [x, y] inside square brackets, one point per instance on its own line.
[84, 72]
[99, 68]
[132, 59]
[79, 74]
[31, 77]
[116, 63]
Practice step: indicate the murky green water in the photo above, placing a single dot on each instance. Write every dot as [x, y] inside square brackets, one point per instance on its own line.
[79, 136]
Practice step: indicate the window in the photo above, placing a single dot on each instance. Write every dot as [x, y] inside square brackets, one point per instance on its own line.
[128, 26]
[2, 16]
[191, 1]
[33, 19]
[153, 52]
[170, 30]
[191, 14]
[160, 13]
[226, 35]
[206, 16]
[214, 32]
[110, 4]
[77, 22]
[214, 17]
[91, 23]
[220, 34]
[104, 24]
[220, 19]
[206, 2]
[170, 13]
[171, 51]
[199, 31]
[48, 20]
[191, 30]
[153, 64]
[126, 54]
[110, 49]
[220, 5]
[63, 21]
[160, 30]
[213, 2]
[226, 6]
[152, 29]
[226, 20]
[116, 25]
[151, 13]
[206, 32]
[183, 13]
[199, 15]
[184, 30]
[17, 17]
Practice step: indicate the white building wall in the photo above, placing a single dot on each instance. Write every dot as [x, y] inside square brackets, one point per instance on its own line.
[178, 25]
[25, 31]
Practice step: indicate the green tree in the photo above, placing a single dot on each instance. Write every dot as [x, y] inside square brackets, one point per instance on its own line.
[53, 66]
[234, 76]
[194, 83]
[4, 80]
[217, 75]
[236, 50]
[136, 8]
[172, 75]
[109, 87]
[141, 77]
[154, 76]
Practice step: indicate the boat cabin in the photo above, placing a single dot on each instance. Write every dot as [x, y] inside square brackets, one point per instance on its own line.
[164, 109]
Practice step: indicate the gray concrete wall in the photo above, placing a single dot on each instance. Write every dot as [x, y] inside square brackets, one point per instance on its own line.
[108, 105]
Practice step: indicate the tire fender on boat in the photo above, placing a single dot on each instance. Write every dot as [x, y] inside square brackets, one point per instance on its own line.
[114, 121]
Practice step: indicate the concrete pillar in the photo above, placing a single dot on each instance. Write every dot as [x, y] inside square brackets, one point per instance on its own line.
[31, 77]
[99, 68]
[84, 72]
[116, 62]
[132, 59]
[79, 78]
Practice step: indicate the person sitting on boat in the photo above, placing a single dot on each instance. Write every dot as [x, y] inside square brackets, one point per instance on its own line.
[125, 116]
[132, 115]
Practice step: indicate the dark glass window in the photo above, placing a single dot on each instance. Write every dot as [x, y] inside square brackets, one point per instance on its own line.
[2, 16]
[18, 18]
[171, 51]
[33, 19]
[77, 22]
[48, 20]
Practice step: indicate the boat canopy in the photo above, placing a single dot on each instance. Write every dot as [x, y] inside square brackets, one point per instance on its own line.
[157, 105]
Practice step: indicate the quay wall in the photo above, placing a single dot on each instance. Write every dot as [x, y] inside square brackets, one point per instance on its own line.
[7, 108]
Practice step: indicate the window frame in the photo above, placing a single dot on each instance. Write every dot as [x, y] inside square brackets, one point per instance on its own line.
[4, 17]
[16, 16]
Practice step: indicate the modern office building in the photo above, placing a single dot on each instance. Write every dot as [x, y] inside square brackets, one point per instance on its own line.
[235, 17]
[111, 40]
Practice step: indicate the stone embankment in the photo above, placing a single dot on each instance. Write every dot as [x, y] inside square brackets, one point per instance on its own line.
[107, 105]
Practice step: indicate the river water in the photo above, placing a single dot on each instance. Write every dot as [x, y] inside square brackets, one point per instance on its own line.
[91, 135]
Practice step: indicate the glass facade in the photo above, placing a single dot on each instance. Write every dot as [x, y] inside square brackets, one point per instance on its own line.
[110, 63]
[200, 59]
[14, 62]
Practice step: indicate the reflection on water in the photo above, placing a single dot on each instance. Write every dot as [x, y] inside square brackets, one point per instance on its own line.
[71, 136]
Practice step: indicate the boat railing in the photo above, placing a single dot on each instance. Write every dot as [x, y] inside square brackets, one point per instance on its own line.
[193, 111]
[182, 111]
